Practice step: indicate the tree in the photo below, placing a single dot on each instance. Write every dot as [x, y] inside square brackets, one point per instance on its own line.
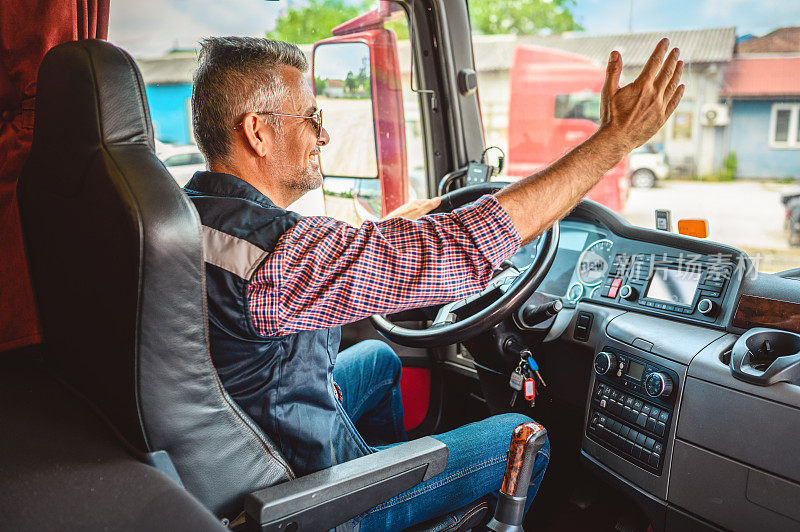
[315, 20]
[523, 18]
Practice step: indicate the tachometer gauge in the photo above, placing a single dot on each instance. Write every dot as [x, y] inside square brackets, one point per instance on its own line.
[594, 262]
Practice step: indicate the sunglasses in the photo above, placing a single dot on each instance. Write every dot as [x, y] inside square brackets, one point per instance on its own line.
[316, 120]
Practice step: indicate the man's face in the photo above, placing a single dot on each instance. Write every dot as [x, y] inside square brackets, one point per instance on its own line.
[296, 153]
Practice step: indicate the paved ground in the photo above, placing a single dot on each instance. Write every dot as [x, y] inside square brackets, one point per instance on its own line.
[745, 214]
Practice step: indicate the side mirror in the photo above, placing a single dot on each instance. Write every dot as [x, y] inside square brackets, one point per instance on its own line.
[356, 79]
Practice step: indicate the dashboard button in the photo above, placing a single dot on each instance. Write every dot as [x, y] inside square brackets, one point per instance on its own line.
[627, 413]
[638, 404]
[637, 451]
[645, 456]
[660, 428]
[627, 446]
[641, 420]
[646, 409]
[655, 412]
[651, 424]
[654, 459]
[649, 443]
[624, 430]
[640, 438]
[658, 448]
[628, 400]
[663, 416]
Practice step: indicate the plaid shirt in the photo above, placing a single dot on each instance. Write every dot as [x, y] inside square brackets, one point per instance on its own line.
[325, 273]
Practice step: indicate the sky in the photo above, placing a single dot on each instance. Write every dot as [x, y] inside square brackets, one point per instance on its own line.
[148, 28]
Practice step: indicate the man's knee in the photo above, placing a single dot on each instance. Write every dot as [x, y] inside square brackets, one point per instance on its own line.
[385, 360]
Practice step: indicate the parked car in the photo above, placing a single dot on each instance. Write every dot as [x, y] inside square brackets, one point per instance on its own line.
[181, 161]
[647, 164]
[791, 201]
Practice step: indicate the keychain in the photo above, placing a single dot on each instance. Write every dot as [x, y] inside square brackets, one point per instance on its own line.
[529, 389]
[515, 381]
[534, 367]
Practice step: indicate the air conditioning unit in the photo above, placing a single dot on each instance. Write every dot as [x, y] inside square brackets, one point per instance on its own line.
[714, 114]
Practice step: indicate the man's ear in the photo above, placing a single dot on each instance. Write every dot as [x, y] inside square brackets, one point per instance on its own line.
[258, 134]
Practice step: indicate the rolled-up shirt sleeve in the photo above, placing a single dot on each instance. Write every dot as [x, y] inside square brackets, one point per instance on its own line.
[325, 273]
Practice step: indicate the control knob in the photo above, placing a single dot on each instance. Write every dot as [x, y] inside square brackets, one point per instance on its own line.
[658, 384]
[604, 362]
[628, 292]
[706, 307]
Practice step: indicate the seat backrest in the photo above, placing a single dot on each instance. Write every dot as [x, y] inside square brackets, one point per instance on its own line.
[115, 252]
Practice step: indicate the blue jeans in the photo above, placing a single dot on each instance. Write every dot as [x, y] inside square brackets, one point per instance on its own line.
[369, 375]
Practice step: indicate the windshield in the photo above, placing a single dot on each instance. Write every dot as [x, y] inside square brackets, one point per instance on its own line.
[730, 154]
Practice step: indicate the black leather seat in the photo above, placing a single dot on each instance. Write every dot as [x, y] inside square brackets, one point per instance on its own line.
[116, 258]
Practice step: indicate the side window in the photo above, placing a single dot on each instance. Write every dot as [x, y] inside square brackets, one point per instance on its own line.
[785, 126]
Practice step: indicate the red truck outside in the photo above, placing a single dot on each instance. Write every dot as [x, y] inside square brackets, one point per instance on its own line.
[555, 105]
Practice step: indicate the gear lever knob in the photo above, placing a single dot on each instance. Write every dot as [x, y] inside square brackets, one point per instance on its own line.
[526, 441]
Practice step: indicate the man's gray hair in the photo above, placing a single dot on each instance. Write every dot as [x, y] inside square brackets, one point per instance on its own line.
[238, 75]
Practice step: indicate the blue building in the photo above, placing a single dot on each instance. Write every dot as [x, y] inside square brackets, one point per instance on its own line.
[168, 84]
[762, 87]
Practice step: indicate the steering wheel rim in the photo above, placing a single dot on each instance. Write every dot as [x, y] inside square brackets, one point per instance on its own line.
[522, 287]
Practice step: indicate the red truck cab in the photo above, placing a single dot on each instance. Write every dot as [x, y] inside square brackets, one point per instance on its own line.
[554, 106]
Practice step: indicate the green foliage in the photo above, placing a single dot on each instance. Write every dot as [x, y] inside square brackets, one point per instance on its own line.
[526, 17]
[400, 28]
[320, 85]
[315, 20]
[729, 164]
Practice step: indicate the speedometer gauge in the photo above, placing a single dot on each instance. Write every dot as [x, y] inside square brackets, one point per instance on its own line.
[594, 262]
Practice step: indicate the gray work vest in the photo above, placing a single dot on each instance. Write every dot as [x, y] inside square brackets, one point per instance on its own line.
[283, 382]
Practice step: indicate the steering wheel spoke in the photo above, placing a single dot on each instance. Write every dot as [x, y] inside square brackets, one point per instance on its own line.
[446, 314]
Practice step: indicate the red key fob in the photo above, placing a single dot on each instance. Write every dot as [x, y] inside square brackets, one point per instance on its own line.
[529, 389]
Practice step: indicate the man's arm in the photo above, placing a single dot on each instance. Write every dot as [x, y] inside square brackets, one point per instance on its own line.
[324, 272]
[629, 116]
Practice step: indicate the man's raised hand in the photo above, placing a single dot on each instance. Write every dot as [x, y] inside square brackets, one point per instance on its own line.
[635, 112]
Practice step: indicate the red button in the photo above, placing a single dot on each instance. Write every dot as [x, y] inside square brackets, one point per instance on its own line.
[616, 282]
[612, 292]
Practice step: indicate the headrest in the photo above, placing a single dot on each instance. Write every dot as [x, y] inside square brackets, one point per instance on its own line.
[79, 106]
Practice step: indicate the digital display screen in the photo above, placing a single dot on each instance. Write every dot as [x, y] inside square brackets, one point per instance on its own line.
[573, 240]
[673, 286]
[635, 370]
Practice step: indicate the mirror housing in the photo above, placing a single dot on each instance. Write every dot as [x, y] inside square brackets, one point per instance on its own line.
[387, 98]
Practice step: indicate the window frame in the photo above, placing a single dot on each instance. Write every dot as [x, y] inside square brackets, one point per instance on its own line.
[793, 140]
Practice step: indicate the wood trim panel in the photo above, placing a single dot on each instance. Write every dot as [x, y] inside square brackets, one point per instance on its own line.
[763, 312]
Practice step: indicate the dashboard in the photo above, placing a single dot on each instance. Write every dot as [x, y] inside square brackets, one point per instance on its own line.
[603, 259]
[657, 316]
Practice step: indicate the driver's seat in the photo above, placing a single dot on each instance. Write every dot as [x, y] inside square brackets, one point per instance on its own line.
[116, 258]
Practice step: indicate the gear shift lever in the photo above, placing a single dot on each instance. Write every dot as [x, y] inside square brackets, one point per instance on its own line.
[526, 441]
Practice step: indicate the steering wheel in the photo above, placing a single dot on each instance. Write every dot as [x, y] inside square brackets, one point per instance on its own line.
[515, 287]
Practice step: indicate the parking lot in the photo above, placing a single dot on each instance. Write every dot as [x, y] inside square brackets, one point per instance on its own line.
[745, 214]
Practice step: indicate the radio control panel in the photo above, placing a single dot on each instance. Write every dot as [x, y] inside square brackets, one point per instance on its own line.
[632, 407]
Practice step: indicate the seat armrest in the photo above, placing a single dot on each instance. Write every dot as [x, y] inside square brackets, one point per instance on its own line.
[327, 498]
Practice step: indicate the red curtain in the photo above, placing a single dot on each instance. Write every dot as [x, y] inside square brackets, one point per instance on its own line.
[28, 29]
